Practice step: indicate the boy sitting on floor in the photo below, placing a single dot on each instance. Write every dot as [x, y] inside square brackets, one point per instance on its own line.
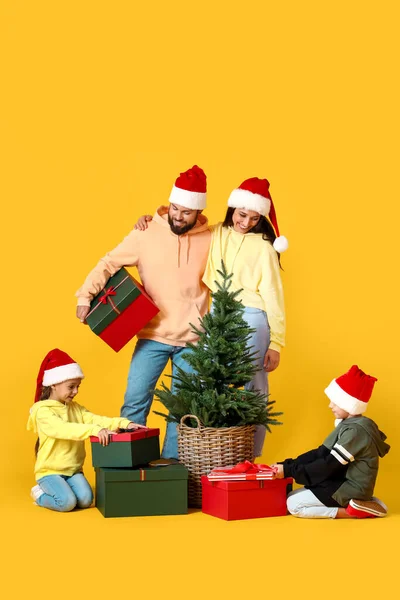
[339, 476]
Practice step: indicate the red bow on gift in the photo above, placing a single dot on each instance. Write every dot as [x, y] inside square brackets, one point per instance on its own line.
[249, 467]
[107, 293]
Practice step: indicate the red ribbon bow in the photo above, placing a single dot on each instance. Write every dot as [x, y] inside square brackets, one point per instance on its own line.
[250, 468]
[107, 294]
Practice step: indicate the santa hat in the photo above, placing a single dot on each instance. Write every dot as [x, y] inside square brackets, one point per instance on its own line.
[253, 194]
[190, 189]
[56, 367]
[351, 391]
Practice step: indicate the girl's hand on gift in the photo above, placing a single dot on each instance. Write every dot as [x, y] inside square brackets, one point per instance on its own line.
[133, 425]
[271, 360]
[104, 436]
[279, 471]
[142, 222]
[82, 312]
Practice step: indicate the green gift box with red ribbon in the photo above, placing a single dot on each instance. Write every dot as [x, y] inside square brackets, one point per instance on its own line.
[128, 449]
[120, 310]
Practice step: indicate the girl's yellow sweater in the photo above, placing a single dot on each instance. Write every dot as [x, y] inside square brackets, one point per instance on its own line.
[62, 430]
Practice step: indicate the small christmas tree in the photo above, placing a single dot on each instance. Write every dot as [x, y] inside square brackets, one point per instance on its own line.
[222, 365]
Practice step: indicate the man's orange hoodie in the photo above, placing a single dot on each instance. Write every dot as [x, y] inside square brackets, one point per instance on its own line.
[171, 268]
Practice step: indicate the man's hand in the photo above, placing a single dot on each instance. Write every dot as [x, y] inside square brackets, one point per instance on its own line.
[271, 360]
[104, 436]
[279, 473]
[142, 222]
[82, 312]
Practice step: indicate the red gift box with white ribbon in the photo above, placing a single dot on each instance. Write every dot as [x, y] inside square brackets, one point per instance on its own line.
[245, 471]
[246, 491]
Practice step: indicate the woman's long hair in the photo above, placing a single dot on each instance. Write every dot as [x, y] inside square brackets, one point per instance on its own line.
[45, 395]
[263, 226]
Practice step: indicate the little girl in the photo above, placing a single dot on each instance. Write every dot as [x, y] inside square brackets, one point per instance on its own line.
[62, 426]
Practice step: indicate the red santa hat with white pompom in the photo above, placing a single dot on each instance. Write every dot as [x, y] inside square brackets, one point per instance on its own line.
[253, 194]
[56, 367]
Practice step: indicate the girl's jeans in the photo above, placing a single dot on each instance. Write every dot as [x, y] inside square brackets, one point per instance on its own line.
[63, 493]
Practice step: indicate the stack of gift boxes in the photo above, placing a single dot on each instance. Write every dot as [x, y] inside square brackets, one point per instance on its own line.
[127, 485]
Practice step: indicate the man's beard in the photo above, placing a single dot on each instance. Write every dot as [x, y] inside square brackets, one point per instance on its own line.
[180, 230]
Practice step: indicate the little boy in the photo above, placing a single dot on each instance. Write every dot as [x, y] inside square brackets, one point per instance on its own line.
[339, 476]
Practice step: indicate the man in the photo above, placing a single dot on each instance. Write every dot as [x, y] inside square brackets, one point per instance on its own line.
[170, 256]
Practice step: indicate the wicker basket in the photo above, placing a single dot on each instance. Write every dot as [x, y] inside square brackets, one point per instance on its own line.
[201, 449]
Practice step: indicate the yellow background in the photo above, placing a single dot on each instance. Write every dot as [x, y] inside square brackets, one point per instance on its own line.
[102, 105]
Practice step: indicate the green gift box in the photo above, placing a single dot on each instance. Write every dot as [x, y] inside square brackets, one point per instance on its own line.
[129, 449]
[118, 294]
[121, 310]
[151, 491]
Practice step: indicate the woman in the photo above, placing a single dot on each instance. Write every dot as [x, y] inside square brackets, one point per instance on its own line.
[247, 244]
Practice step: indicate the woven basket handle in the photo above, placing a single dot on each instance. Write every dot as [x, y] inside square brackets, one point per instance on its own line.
[191, 417]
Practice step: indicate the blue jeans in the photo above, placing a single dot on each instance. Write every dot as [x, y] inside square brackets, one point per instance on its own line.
[148, 362]
[260, 340]
[63, 493]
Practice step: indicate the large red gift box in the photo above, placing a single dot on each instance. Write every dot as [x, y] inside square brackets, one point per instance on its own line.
[232, 500]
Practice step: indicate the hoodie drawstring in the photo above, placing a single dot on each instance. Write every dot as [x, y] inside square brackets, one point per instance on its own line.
[186, 239]
[179, 250]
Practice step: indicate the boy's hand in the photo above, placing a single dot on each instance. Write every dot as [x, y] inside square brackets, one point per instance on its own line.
[133, 425]
[142, 222]
[279, 471]
[104, 436]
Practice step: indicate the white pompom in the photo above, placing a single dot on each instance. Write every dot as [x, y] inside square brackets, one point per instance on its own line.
[281, 244]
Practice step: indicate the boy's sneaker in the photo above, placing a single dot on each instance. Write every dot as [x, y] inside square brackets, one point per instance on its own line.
[364, 509]
[375, 499]
[36, 492]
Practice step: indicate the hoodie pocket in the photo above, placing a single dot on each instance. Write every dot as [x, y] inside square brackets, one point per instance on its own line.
[178, 325]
